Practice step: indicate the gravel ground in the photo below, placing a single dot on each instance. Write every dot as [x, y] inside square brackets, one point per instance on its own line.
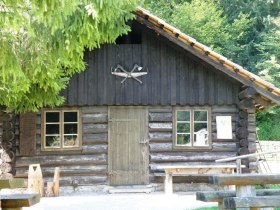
[153, 201]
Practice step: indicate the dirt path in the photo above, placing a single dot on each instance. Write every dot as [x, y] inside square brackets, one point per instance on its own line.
[153, 201]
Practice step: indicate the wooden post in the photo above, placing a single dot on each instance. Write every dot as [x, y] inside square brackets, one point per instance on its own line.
[245, 191]
[35, 179]
[168, 184]
[56, 181]
[238, 166]
[53, 187]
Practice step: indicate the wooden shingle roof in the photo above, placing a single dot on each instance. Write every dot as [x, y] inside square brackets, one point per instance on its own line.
[269, 95]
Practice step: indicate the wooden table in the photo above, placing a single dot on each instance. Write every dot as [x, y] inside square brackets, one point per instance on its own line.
[246, 194]
[16, 201]
[184, 170]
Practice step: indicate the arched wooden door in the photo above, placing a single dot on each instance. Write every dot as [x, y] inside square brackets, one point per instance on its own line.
[128, 158]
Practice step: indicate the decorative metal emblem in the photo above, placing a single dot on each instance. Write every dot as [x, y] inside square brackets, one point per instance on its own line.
[121, 72]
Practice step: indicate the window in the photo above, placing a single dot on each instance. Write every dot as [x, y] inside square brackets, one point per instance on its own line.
[192, 128]
[60, 129]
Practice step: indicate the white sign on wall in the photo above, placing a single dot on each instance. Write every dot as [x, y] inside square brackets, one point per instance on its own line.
[224, 127]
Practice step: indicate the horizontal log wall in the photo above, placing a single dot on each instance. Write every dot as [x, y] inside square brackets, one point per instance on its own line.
[161, 143]
[87, 166]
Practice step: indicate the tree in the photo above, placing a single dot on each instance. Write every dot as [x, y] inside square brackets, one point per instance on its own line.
[42, 45]
[246, 32]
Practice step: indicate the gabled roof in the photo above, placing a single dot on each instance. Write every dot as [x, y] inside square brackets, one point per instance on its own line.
[269, 95]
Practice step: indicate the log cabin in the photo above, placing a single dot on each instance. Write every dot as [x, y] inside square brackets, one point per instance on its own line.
[156, 97]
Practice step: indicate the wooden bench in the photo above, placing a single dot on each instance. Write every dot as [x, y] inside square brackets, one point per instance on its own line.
[185, 170]
[17, 201]
[245, 196]
[218, 196]
[12, 201]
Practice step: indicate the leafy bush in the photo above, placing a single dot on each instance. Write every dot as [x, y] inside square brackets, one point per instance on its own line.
[268, 124]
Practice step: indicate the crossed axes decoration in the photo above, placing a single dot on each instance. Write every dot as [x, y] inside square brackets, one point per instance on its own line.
[121, 72]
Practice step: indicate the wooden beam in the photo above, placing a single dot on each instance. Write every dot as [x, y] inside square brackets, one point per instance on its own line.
[218, 196]
[260, 201]
[247, 93]
[245, 156]
[19, 200]
[265, 103]
[207, 59]
[246, 103]
[245, 179]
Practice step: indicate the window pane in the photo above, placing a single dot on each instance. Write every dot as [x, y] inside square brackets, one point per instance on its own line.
[71, 140]
[70, 117]
[52, 129]
[52, 117]
[52, 141]
[183, 116]
[200, 115]
[70, 128]
[183, 127]
[201, 138]
[198, 127]
[184, 139]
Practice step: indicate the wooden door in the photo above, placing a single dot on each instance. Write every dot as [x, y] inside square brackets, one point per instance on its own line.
[128, 146]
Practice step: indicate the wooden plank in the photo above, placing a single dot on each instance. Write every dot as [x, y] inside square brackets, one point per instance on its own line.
[189, 156]
[138, 59]
[76, 181]
[160, 136]
[201, 86]
[19, 200]
[62, 160]
[67, 170]
[259, 201]
[95, 118]
[160, 126]
[218, 196]
[170, 65]
[11, 183]
[160, 117]
[27, 127]
[95, 138]
[245, 179]
[95, 128]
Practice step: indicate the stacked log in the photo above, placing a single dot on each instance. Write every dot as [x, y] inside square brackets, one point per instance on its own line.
[162, 151]
[86, 166]
[246, 131]
[7, 145]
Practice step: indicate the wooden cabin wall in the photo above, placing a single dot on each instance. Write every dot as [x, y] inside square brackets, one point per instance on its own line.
[87, 166]
[174, 78]
[161, 144]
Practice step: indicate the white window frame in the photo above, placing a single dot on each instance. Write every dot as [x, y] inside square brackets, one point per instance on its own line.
[191, 110]
[61, 129]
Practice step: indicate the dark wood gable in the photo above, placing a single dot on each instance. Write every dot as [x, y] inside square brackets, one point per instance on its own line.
[174, 78]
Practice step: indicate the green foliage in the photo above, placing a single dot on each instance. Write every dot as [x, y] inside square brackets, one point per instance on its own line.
[207, 22]
[42, 45]
[268, 124]
[208, 27]
[246, 32]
